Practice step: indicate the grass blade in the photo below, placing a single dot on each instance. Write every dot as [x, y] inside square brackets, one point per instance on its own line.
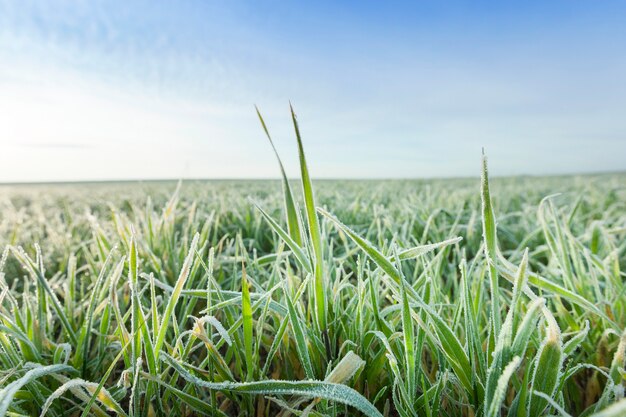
[8, 392]
[491, 246]
[246, 313]
[171, 304]
[293, 221]
[311, 389]
[314, 232]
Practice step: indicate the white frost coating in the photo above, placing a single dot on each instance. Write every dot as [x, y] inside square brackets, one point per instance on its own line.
[424, 249]
[527, 326]
[218, 326]
[67, 350]
[178, 288]
[60, 391]
[501, 388]
[124, 380]
[3, 259]
[553, 403]
[7, 394]
[5, 291]
[575, 341]
[136, 370]
[617, 366]
[310, 389]
[75, 385]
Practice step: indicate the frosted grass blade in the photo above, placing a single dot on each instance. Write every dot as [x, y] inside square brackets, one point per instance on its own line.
[491, 246]
[171, 304]
[310, 389]
[314, 232]
[246, 314]
[8, 392]
[293, 222]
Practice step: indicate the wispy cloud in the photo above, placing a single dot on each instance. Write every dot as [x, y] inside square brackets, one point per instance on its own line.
[54, 145]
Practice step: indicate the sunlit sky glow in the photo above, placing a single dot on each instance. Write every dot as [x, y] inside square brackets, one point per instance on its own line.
[94, 90]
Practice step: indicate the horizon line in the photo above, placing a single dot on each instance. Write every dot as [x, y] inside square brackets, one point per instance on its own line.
[348, 179]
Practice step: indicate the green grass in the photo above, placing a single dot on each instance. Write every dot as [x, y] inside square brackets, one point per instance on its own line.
[397, 298]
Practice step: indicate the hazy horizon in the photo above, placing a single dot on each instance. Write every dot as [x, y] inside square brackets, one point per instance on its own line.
[109, 91]
[296, 179]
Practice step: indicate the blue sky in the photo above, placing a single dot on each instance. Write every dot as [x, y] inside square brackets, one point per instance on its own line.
[140, 90]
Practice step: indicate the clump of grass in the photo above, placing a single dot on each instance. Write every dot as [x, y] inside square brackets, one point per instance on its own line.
[396, 298]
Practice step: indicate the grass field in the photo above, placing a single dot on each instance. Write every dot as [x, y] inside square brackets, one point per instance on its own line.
[252, 298]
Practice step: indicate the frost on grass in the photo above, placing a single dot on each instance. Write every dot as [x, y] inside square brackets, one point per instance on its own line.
[407, 286]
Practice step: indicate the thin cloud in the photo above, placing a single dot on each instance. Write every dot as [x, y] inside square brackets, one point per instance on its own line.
[54, 145]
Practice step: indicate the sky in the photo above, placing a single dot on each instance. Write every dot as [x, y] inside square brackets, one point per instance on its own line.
[99, 90]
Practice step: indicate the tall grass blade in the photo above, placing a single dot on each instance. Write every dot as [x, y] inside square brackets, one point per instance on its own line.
[293, 222]
[171, 304]
[314, 232]
[246, 313]
[491, 246]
